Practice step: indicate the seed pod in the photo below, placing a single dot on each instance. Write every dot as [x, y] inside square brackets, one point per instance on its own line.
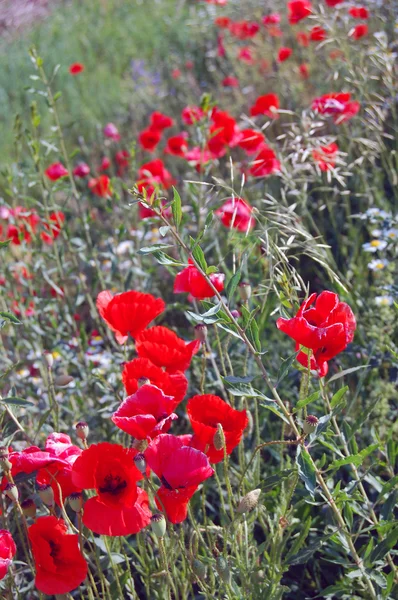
[199, 569]
[11, 491]
[143, 381]
[219, 438]
[222, 569]
[82, 430]
[46, 494]
[310, 424]
[245, 290]
[76, 501]
[140, 462]
[201, 332]
[63, 380]
[249, 502]
[250, 424]
[140, 445]
[158, 523]
[29, 508]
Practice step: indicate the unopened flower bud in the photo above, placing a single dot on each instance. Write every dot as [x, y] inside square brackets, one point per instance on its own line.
[5, 464]
[235, 313]
[63, 380]
[249, 501]
[219, 438]
[29, 508]
[3, 451]
[310, 424]
[199, 569]
[140, 445]
[76, 501]
[245, 290]
[11, 491]
[201, 332]
[250, 425]
[48, 357]
[283, 522]
[46, 494]
[82, 430]
[143, 381]
[222, 568]
[140, 462]
[158, 523]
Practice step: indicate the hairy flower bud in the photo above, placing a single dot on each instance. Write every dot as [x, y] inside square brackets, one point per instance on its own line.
[46, 494]
[11, 491]
[140, 445]
[199, 568]
[82, 430]
[223, 570]
[158, 523]
[140, 462]
[245, 291]
[29, 508]
[63, 380]
[201, 332]
[76, 501]
[48, 357]
[249, 501]
[219, 438]
[310, 424]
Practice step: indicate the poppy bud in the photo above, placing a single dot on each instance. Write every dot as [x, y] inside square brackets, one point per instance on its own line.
[76, 501]
[249, 502]
[199, 569]
[29, 508]
[5, 464]
[143, 381]
[48, 357]
[245, 291]
[140, 445]
[63, 380]
[11, 491]
[140, 462]
[82, 430]
[219, 438]
[3, 451]
[235, 313]
[249, 427]
[310, 424]
[158, 523]
[222, 568]
[201, 332]
[46, 494]
[283, 522]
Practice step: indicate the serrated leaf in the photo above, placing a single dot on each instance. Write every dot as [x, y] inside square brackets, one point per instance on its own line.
[10, 317]
[347, 372]
[176, 208]
[306, 470]
[308, 400]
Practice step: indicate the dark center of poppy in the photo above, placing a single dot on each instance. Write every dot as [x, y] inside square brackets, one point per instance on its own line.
[113, 484]
[54, 549]
[165, 483]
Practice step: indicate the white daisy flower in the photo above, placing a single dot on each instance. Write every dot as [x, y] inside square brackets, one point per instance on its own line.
[384, 300]
[377, 264]
[374, 245]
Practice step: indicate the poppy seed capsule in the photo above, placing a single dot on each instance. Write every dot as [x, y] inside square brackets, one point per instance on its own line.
[140, 462]
[201, 332]
[140, 445]
[245, 291]
[199, 569]
[158, 523]
[222, 568]
[76, 501]
[143, 381]
[5, 464]
[28, 508]
[219, 438]
[310, 424]
[82, 430]
[11, 491]
[249, 502]
[46, 494]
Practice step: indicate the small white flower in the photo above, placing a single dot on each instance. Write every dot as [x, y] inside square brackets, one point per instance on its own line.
[374, 245]
[377, 264]
[384, 300]
[124, 247]
[391, 234]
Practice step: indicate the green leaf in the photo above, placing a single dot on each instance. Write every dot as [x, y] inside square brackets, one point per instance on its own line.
[176, 208]
[232, 379]
[232, 284]
[10, 317]
[255, 335]
[269, 482]
[338, 396]
[385, 546]
[16, 401]
[347, 372]
[199, 256]
[2, 375]
[306, 470]
[355, 459]
[307, 400]
[322, 426]
[5, 243]
[305, 554]
[285, 368]
[165, 259]
[154, 248]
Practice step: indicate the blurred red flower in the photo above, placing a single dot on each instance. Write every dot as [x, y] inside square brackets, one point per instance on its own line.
[251, 140]
[100, 186]
[325, 156]
[284, 54]
[175, 384]
[222, 22]
[334, 2]
[303, 39]
[224, 133]
[122, 159]
[192, 114]
[60, 565]
[359, 12]
[230, 81]
[159, 121]
[304, 71]
[190, 280]
[298, 10]
[105, 163]
[176, 73]
[164, 348]
[81, 170]
[236, 213]
[339, 105]
[8, 550]
[204, 413]
[76, 68]
[177, 145]
[327, 328]
[53, 227]
[180, 469]
[359, 31]
[266, 105]
[318, 34]
[246, 55]
[56, 171]
[154, 174]
[244, 30]
[128, 313]
[120, 507]
[265, 163]
[149, 138]
[271, 19]
[112, 132]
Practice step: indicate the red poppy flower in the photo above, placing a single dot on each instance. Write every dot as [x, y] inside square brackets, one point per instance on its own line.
[325, 156]
[318, 34]
[180, 469]
[339, 105]
[266, 105]
[191, 281]
[251, 140]
[122, 159]
[31, 459]
[53, 227]
[81, 170]
[128, 312]
[304, 71]
[159, 121]
[359, 31]
[175, 385]
[222, 22]
[230, 81]
[327, 328]
[221, 52]
[165, 349]
[298, 10]
[8, 550]
[274, 31]
[236, 213]
[192, 114]
[198, 157]
[76, 68]
[244, 30]
[205, 412]
[176, 73]
[149, 139]
[224, 133]
[189, 64]
[105, 163]
[265, 163]
[271, 19]
[112, 132]
[303, 39]
[246, 55]
[333, 2]
[154, 174]
[146, 414]
[56, 171]
[100, 186]
[359, 12]
[177, 145]
[120, 507]
[284, 54]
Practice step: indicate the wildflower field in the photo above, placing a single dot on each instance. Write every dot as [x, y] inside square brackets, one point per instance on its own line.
[199, 300]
